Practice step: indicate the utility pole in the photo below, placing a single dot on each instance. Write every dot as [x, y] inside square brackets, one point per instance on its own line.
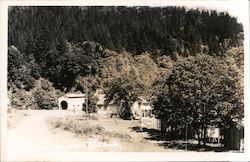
[86, 91]
[186, 135]
[87, 114]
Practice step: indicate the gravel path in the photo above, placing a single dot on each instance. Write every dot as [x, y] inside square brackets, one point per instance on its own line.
[34, 135]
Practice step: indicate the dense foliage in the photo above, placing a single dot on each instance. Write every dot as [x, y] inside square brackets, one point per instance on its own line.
[202, 91]
[136, 29]
[58, 43]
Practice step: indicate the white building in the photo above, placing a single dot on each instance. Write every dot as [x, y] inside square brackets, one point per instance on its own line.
[100, 104]
[72, 102]
[105, 109]
[141, 108]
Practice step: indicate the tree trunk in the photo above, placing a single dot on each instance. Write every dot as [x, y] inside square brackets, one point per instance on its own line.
[163, 125]
[199, 138]
[204, 136]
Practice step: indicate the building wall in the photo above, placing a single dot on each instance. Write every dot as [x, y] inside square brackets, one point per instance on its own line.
[112, 109]
[140, 110]
[136, 110]
[234, 138]
[74, 104]
[101, 109]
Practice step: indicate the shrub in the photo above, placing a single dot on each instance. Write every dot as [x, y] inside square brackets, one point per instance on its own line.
[82, 128]
[21, 99]
[44, 99]
[46, 95]
[78, 127]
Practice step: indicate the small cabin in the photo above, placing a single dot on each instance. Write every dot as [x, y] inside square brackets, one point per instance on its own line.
[111, 108]
[234, 136]
[101, 107]
[141, 108]
[71, 101]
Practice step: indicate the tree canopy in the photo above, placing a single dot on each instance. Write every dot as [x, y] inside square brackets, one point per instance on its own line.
[202, 91]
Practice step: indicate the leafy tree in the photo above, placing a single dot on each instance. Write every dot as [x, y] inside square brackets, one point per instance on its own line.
[46, 95]
[123, 90]
[21, 99]
[19, 71]
[15, 60]
[88, 85]
[165, 68]
[132, 77]
[196, 91]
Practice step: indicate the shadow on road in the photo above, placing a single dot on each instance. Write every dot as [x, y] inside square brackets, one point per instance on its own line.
[169, 141]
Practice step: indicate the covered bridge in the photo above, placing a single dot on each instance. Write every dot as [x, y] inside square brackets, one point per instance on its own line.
[72, 102]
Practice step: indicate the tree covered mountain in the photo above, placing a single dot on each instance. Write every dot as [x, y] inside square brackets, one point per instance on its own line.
[61, 43]
[135, 29]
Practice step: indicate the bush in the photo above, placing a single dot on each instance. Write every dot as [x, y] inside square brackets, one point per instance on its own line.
[21, 99]
[46, 95]
[29, 83]
[44, 99]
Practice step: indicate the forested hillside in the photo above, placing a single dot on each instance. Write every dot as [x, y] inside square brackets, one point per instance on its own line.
[135, 29]
[169, 55]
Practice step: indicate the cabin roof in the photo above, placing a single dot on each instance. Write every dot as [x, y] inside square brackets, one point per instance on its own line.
[73, 95]
[146, 107]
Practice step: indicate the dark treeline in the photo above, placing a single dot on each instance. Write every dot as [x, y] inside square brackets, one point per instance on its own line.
[63, 43]
[135, 29]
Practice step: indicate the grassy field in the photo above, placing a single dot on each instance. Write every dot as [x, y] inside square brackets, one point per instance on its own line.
[128, 135]
[117, 133]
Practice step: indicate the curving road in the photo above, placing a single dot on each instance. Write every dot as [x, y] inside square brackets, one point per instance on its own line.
[34, 135]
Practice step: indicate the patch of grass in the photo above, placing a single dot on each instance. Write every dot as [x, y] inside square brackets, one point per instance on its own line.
[83, 127]
[118, 135]
[78, 127]
[89, 116]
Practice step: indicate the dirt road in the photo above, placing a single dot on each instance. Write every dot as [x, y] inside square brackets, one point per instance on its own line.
[33, 134]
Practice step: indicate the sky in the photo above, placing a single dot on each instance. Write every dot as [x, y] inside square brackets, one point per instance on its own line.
[236, 8]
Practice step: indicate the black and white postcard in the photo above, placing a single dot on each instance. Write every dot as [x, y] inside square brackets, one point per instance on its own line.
[136, 80]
